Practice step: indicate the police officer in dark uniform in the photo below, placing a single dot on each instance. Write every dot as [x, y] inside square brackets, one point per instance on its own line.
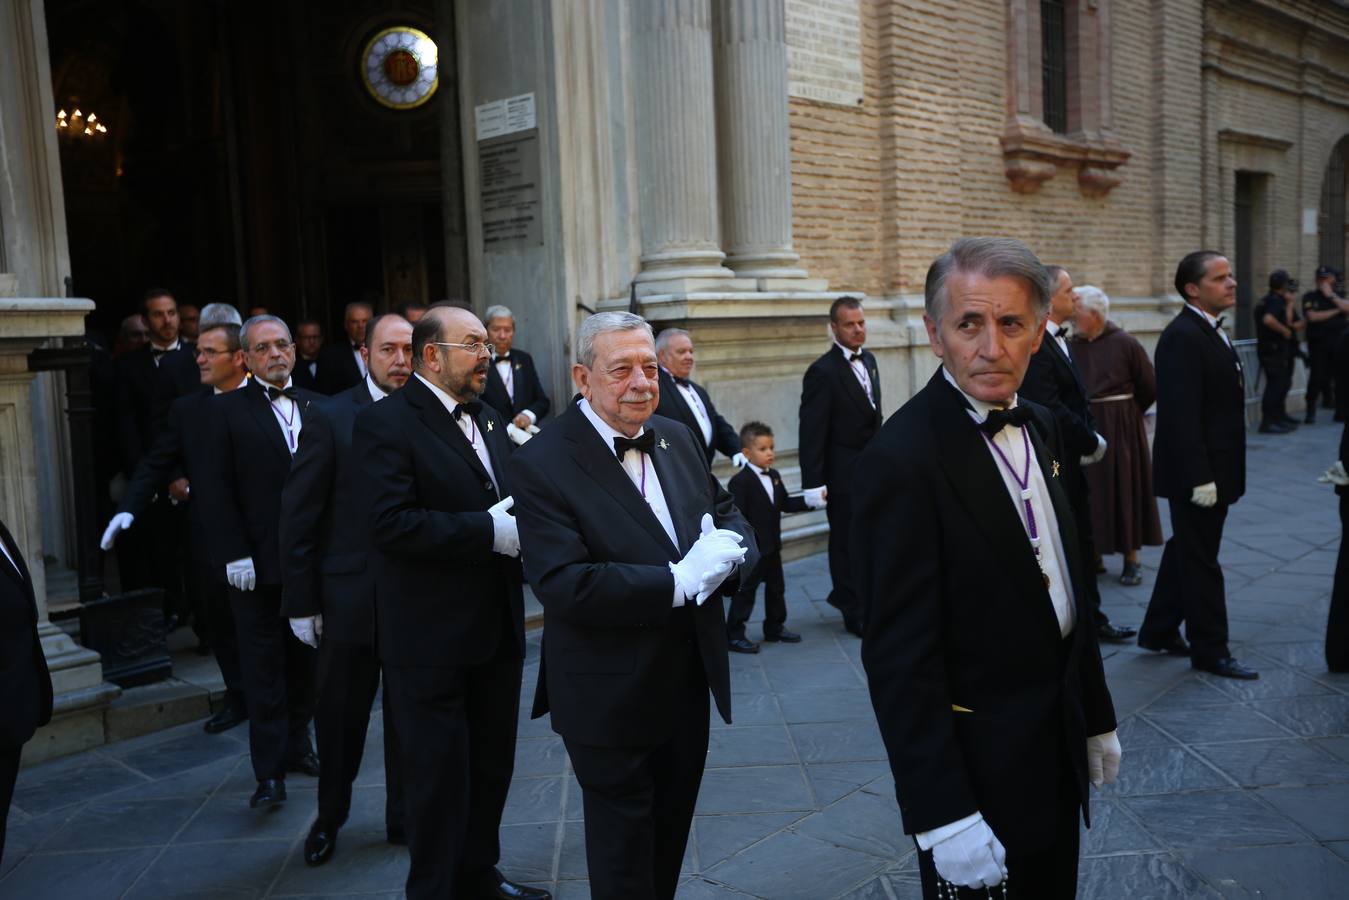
[1325, 315]
[1276, 341]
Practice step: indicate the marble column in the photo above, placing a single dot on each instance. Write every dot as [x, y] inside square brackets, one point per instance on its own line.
[676, 148]
[752, 136]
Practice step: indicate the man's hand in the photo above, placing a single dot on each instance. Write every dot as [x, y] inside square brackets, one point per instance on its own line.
[739, 460]
[972, 858]
[505, 533]
[711, 558]
[308, 629]
[241, 575]
[1205, 495]
[180, 491]
[120, 522]
[522, 422]
[1103, 755]
[815, 497]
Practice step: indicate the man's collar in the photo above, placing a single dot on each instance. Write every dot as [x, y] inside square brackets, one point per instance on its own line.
[606, 430]
[443, 396]
[165, 348]
[847, 354]
[756, 469]
[376, 392]
[1212, 320]
[242, 381]
[265, 384]
[978, 407]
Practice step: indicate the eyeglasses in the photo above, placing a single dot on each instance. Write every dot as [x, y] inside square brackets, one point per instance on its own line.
[283, 345]
[212, 353]
[477, 348]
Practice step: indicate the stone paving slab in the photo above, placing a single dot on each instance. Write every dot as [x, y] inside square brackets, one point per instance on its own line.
[1228, 789]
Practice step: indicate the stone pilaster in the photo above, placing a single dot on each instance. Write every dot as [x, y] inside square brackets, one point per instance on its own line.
[752, 137]
[676, 148]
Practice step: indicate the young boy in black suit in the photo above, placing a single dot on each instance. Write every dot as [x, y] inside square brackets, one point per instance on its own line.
[762, 499]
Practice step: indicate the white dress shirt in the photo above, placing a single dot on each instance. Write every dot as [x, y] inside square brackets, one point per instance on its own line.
[376, 392]
[695, 404]
[472, 433]
[1057, 331]
[287, 415]
[858, 369]
[506, 369]
[360, 363]
[765, 480]
[10, 557]
[156, 357]
[1213, 323]
[1014, 446]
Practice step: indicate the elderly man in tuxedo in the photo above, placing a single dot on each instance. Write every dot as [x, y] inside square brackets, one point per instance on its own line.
[513, 386]
[340, 365]
[625, 534]
[24, 682]
[329, 586]
[840, 413]
[254, 434]
[1199, 466]
[449, 604]
[980, 653]
[685, 401]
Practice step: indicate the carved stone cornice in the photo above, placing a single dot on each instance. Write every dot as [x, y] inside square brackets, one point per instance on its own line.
[1032, 154]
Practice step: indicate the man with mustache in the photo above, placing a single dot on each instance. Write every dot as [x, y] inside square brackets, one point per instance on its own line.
[329, 586]
[449, 604]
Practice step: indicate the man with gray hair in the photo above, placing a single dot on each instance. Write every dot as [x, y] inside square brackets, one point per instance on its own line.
[340, 365]
[513, 385]
[255, 433]
[991, 698]
[625, 535]
[685, 401]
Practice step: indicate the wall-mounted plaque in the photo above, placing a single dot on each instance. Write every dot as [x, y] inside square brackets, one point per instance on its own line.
[398, 66]
[824, 51]
[512, 207]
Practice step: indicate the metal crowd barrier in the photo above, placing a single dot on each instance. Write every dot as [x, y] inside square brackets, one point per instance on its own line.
[1255, 381]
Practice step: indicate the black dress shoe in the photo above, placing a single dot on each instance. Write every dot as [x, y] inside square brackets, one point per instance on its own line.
[1174, 645]
[396, 836]
[270, 792]
[319, 846]
[785, 636]
[1274, 428]
[853, 626]
[1115, 634]
[308, 764]
[1290, 422]
[1227, 667]
[742, 645]
[226, 718]
[498, 888]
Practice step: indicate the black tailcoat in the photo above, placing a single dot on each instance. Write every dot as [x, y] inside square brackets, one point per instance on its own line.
[836, 419]
[529, 393]
[674, 406]
[24, 681]
[144, 392]
[764, 515]
[337, 369]
[958, 616]
[302, 377]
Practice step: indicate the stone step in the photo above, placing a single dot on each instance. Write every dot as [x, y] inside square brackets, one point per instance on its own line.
[154, 707]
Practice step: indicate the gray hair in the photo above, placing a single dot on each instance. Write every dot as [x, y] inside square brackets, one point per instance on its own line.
[497, 312]
[991, 257]
[213, 314]
[1095, 299]
[255, 321]
[604, 323]
[358, 304]
[668, 334]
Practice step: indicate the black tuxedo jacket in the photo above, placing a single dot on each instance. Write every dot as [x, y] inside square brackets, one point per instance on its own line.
[24, 681]
[958, 615]
[764, 515]
[303, 379]
[1201, 412]
[1053, 382]
[144, 394]
[442, 597]
[182, 447]
[599, 561]
[325, 524]
[338, 370]
[529, 393]
[673, 406]
[246, 472]
[836, 419]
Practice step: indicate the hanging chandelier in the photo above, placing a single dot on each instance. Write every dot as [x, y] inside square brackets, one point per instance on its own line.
[79, 124]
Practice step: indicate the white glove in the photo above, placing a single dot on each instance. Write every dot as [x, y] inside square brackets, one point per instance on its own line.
[308, 629]
[708, 562]
[520, 435]
[815, 497]
[1205, 495]
[505, 534]
[241, 575]
[1096, 455]
[1103, 754]
[120, 522]
[1334, 475]
[972, 858]
[739, 460]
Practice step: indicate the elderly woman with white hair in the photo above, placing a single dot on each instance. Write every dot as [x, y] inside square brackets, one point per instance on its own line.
[1121, 383]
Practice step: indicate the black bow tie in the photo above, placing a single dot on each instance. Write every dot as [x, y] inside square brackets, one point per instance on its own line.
[856, 357]
[646, 443]
[682, 382]
[503, 357]
[157, 352]
[999, 419]
[473, 407]
[1218, 324]
[274, 393]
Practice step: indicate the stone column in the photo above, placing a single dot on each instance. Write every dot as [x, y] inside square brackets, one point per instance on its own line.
[752, 136]
[676, 148]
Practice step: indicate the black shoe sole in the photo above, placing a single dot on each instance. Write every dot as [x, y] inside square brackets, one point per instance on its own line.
[779, 639]
[1169, 651]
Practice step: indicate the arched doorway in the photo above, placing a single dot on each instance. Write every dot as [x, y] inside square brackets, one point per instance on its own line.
[1331, 221]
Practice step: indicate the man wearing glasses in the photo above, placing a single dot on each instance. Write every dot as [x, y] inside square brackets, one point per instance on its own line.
[255, 432]
[448, 603]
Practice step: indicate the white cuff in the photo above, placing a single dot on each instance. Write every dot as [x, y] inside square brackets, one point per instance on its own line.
[929, 839]
[530, 414]
[679, 598]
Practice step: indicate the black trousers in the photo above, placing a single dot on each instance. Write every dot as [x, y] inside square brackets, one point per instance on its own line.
[1321, 373]
[1278, 369]
[1337, 625]
[844, 595]
[348, 677]
[215, 624]
[278, 681]
[9, 773]
[457, 729]
[639, 800]
[154, 553]
[1079, 496]
[1189, 584]
[769, 574]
